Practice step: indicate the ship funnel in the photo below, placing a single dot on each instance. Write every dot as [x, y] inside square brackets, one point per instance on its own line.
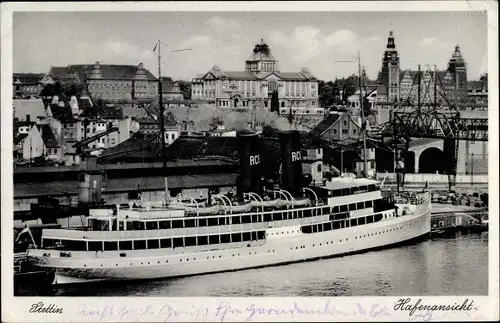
[249, 153]
[291, 162]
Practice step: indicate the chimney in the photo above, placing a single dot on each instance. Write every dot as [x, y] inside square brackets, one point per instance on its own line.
[249, 153]
[291, 159]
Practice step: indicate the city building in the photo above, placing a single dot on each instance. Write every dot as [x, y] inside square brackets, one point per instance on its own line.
[149, 126]
[171, 92]
[338, 126]
[26, 85]
[108, 82]
[388, 89]
[440, 87]
[255, 84]
[41, 142]
[353, 100]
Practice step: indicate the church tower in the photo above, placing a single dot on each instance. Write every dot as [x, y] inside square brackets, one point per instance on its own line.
[390, 70]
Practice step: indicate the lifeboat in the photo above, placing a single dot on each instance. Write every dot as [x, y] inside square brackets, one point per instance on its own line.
[265, 203]
[202, 210]
[297, 202]
[238, 207]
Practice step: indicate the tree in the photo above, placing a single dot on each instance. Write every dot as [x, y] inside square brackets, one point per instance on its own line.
[336, 92]
[185, 88]
[275, 102]
[325, 93]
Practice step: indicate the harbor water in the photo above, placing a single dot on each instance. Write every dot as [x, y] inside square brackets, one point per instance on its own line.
[439, 266]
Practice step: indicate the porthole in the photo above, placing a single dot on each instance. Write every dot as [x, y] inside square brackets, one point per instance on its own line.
[101, 265]
[158, 262]
[166, 261]
[320, 244]
[149, 263]
[220, 256]
[84, 265]
[208, 257]
[233, 254]
[180, 260]
[313, 245]
[130, 264]
[194, 259]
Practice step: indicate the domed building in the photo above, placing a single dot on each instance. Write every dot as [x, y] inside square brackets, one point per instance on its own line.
[253, 87]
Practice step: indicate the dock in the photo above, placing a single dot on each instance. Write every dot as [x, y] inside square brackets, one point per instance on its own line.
[446, 219]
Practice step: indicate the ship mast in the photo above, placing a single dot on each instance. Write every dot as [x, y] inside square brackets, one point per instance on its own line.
[162, 124]
[363, 126]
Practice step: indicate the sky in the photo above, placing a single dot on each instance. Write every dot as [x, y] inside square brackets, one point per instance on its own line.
[316, 40]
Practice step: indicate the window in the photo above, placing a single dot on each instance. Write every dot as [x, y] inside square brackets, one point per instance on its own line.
[125, 245]
[153, 244]
[95, 245]
[202, 240]
[319, 167]
[236, 237]
[213, 239]
[166, 243]
[110, 245]
[178, 242]
[190, 241]
[139, 244]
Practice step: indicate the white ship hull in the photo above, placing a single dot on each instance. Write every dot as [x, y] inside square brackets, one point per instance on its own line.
[283, 245]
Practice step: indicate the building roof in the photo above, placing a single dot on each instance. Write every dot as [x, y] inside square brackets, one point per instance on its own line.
[27, 78]
[61, 113]
[33, 108]
[261, 52]
[324, 125]
[48, 137]
[109, 72]
[101, 112]
[84, 103]
[241, 75]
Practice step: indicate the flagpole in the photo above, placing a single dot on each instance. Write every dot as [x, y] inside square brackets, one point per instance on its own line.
[162, 124]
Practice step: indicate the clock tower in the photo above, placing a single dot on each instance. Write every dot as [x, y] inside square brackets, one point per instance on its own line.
[390, 70]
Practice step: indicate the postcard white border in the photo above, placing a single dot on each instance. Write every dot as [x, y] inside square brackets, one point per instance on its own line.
[186, 309]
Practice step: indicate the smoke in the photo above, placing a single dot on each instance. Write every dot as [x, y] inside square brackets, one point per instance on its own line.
[251, 118]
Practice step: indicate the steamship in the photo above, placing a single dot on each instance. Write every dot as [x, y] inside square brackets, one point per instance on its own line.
[263, 224]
